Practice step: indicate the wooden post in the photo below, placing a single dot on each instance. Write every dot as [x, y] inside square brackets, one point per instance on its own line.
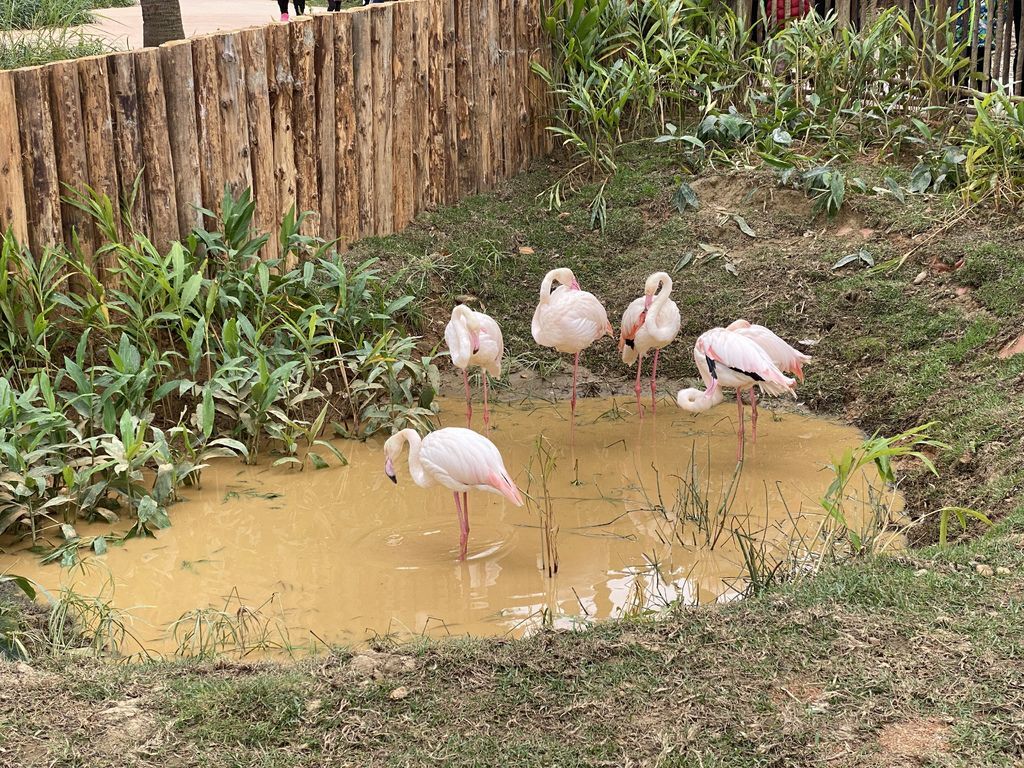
[366, 130]
[346, 129]
[381, 26]
[128, 139]
[468, 137]
[101, 153]
[234, 117]
[69, 143]
[208, 123]
[438, 167]
[39, 167]
[304, 121]
[266, 218]
[326, 147]
[481, 26]
[509, 96]
[496, 99]
[525, 78]
[401, 67]
[281, 96]
[13, 210]
[179, 91]
[156, 150]
[421, 122]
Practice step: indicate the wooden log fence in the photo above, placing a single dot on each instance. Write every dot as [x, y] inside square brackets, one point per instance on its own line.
[365, 117]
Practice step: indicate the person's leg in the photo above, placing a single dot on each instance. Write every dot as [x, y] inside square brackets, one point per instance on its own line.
[300, 7]
[283, 5]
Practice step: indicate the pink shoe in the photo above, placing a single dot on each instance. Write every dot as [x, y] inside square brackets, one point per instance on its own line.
[284, 17]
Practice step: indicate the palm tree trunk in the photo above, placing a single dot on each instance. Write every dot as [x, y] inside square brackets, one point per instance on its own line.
[161, 21]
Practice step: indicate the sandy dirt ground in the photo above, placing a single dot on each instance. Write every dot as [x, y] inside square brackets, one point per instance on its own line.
[122, 27]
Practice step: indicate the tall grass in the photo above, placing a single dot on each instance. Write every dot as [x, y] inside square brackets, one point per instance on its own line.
[801, 99]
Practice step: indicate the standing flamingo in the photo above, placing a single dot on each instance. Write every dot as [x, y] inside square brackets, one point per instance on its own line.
[457, 458]
[649, 322]
[730, 358]
[474, 339]
[569, 320]
[786, 359]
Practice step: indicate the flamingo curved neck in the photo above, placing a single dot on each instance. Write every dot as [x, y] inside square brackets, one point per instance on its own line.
[661, 300]
[562, 275]
[419, 475]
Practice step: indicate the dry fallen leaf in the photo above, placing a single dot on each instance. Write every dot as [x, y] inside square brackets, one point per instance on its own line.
[526, 250]
[921, 277]
[399, 693]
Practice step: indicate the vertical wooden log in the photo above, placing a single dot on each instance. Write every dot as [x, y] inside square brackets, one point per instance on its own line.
[253, 44]
[437, 65]
[421, 123]
[281, 96]
[326, 104]
[39, 166]
[128, 139]
[101, 153]
[304, 105]
[366, 130]
[182, 133]
[510, 98]
[346, 129]
[208, 123]
[521, 118]
[156, 150]
[496, 100]
[381, 26]
[481, 26]
[467, 139]
[234, 117]
[13, 208]
[69, 143]
[401, 68]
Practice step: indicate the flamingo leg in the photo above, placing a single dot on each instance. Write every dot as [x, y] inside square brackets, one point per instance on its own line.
[487, 412]
[654, 381]
[463, 537]
[469, 400]
[465, 522]
[753, 412]
[575, 374]
[639, 366]
[739, 406]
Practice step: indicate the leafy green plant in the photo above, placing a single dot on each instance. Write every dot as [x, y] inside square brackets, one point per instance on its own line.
[879, 452]
[962, 515]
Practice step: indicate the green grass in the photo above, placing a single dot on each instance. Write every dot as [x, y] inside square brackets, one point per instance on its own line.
[834, 670]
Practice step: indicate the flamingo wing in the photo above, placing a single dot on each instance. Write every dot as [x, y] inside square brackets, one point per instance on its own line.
[492, 345]
[461, 459]
[785, 357]
[632, 321]
[746, 357]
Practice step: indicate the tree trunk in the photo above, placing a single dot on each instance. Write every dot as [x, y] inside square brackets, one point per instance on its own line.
[161, 21]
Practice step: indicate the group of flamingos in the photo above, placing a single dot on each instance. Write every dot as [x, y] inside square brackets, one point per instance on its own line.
[742, 356]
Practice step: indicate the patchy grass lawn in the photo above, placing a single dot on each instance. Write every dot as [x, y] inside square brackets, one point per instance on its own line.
[911, 660]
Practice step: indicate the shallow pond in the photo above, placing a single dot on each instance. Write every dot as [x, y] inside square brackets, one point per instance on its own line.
[341, 555]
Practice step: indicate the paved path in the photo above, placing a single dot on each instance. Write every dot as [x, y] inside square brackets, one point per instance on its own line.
[122, 27]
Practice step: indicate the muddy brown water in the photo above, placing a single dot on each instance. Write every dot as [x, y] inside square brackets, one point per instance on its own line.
[342, 555]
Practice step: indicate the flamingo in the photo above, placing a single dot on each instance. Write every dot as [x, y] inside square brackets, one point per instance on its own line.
[732, 358]
[460, 460]
[649, 322]
[569, 320]
[474, 339]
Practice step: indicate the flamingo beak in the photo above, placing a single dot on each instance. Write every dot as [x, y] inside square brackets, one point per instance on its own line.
[475, 337]
[575, 284]
[647, 301]
[389, 470]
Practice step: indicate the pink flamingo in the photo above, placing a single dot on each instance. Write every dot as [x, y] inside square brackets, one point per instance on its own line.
[734, 357]
[569, 320]
[649, 322]
[457, 458]
[474, 339]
